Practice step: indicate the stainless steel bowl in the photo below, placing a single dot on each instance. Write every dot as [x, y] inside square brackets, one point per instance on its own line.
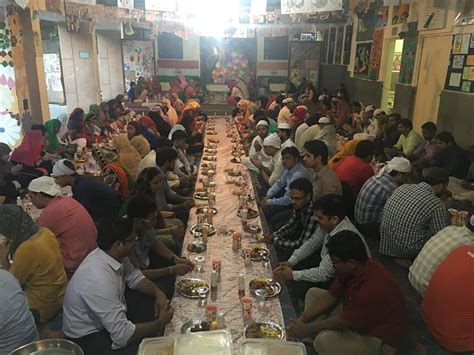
[49, 347]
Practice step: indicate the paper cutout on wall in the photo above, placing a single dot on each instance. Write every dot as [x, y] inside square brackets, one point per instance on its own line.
[466, 39]
[458, 62]
[138, 60]
[376, 53]
[433, 15]
[466, 86]
[410, 44]
[362, 59]
[457, 42]
[125, 4]
[455, 80]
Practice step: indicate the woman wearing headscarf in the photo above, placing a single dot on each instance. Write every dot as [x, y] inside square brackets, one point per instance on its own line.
[37, 261]
[28, 155]
[170, 111]
[136, 138]
[117, 177]
[177, 103]
[162, 125]
[127, 155]
[298, 116]
[75, 124]
[8, 174]
[51, 142]
[348, 150]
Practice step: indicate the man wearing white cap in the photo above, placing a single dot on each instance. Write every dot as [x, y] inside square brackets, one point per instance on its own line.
[271, 147]
[284, 133]
[328, 135]
[285, 112]
[67, 219]
[96, 196]
[375, 192]
[256, 153]
[436, 250]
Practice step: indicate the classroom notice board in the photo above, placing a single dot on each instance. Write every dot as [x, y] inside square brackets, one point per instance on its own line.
[460, 75]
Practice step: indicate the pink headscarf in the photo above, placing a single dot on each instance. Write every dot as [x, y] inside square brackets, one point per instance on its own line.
[29, 151]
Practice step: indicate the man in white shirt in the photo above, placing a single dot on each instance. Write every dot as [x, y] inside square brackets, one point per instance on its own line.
[95, 311]
[256, 152]
[284, 133]
[285, 112]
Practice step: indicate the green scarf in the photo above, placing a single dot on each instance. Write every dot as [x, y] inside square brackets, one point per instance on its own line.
[16, 225]
[51, 127]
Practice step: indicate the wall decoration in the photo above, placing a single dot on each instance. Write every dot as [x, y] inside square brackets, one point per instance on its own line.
[9, 128]
[125, 4]
[376, 54]
[400, 14]
[366, 24]
[309, 6]
[410, 44]
[138, 60]
[460, 74]
[466, 39]
[362, 59]
[347, 45]
[433, 15]
[381, 16]
[305, 59]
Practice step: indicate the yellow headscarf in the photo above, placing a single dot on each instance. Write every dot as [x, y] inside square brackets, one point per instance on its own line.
[127, 154]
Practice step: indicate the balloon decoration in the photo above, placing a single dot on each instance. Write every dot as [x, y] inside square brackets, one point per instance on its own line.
[231, 66]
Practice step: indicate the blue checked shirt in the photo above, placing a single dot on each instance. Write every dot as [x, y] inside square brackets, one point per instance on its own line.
[283, 182]
[411, 216]
[299, 228]
[325, 271]
[372, 198]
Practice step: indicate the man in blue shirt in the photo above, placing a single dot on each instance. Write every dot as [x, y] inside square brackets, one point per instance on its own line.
[277, 204]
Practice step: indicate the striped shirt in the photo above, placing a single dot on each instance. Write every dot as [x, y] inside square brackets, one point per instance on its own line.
[434, 252]
[372, 198]
[325, 271]
[411, 216]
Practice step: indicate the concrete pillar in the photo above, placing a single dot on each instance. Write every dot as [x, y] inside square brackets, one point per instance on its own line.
[27, 53]
[109, 46]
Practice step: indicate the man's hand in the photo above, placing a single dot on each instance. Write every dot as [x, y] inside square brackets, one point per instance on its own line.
[268, 238]
[4, 246]
[179, 260]
[15, 169]
[160, 301]
[183, 181]
[283, 263]
[189, 203]
[264, 201]
[165, 315]
[177, 231]
[283, 273]
[297, 329]
[257, 146]
[256, 161]
[181, 269]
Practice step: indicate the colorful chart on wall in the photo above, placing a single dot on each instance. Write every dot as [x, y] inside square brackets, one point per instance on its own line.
[138, 60]
[362, 59]
[460, 74]
[410, 44]
[376, 54]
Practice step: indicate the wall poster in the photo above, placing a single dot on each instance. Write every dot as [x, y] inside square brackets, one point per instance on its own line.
[460, 74]
[362, 59]
[376, 54]
[410, 44]
[138, 60]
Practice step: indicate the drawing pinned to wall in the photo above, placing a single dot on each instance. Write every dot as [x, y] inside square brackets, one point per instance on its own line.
[362, 59]
[466, 86]
[457, 42]
[466, 39]
[458, 62]
[460, 73]
[366, 24]
[376, 53]
[410, 44]
[400, 14]
[138, 60]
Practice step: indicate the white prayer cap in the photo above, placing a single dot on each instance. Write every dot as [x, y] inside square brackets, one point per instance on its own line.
[284, 126]
[402, 165]
[60, 169]
[369, 108]
[324, 120]
[272, 140]
[321, 98]
[378, 111]
[288, 100]
[262, 123]
[364, 137]
[44, 184]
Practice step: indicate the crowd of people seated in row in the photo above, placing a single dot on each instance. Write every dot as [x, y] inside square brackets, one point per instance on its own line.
[320, 187]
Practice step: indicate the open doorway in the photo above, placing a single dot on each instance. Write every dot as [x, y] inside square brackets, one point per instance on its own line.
[392, 71]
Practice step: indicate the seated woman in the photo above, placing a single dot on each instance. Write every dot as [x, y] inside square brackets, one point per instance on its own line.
[127, 155]
[28, 156]
[150, 133]
[8, 172]
[37, 261]
[171, 232]
[75, 124]
[194, 129]
[118, 179]
[51, 141]
[137, 139]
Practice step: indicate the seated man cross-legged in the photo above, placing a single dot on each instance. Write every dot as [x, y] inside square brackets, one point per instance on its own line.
[95, 311]
[373, 316]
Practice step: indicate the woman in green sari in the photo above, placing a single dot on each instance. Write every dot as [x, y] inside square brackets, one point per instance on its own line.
[52, 144]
